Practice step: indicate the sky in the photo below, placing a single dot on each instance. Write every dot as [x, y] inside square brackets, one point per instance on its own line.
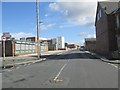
[72, 20]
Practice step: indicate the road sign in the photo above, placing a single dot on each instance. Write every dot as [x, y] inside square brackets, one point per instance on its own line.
[3, 39]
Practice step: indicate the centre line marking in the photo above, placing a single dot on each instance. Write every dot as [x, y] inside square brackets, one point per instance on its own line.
[59, 72]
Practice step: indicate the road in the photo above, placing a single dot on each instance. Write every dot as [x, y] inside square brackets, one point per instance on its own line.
[71, 69]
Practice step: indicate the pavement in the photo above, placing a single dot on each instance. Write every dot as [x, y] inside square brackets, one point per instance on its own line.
[103, 58]
[25, 59]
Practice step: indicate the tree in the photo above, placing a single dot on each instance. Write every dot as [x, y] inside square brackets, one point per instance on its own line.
[66, 44]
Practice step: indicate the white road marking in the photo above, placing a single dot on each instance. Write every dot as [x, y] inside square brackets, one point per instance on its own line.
[113, 65]
[7, 70]
[17, 67]
[59, 72]
[102, 58]
[44, 58]
[59, 53]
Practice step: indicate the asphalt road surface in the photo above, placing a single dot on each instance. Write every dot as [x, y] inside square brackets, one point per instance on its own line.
[71, 69]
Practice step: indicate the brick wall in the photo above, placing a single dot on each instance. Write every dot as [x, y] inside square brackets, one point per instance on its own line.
[106, 40]
[112, 33]
[8, 48]
[90, 45]
[102, 41]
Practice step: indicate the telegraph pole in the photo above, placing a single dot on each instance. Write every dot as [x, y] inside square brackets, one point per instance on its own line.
[37, 18]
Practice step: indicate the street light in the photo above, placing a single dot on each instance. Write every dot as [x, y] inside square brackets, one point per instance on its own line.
[40, 40]
[37, 19]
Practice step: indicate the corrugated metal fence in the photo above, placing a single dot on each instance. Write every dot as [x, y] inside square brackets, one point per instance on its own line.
[18, 47]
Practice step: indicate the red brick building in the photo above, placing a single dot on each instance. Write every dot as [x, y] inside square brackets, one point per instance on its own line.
[90, 44]
[72, 46]
[106, 39]
[117, 15]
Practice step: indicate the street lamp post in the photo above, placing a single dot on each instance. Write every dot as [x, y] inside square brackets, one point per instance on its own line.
[40, 40]
[37, 19]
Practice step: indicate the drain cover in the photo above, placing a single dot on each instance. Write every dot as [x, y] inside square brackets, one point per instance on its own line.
[56, 81]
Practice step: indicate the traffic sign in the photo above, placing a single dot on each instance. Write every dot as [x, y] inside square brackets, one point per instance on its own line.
[3, 39]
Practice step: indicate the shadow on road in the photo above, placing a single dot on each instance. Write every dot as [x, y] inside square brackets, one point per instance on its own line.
[74, 55]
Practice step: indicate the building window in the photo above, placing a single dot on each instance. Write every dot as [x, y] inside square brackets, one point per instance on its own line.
[117, 21]
[99, 15]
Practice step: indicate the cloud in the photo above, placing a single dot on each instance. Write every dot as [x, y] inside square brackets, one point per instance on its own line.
[46, 15]
[19, 35]
[80, 13]
[54, 6]
[82, 42]
[61, 26]
[56, 0]
[86, 35]
[91, 36]
[47, 27]
[83, 0]
[82, 34]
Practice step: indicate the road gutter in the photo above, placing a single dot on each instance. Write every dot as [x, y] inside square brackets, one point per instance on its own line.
[113, 65]
[22, 63]
[103, 58]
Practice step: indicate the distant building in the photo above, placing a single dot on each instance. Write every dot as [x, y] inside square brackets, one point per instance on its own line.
[7, 35]
[48, 41]
[72, 46]
[31, 39]
[57, 44]
[55, 41]
[106, 33]
[90, 44]
[53, 44]
[23, 39]
[61, 43]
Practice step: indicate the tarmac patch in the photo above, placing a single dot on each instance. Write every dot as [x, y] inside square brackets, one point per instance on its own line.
[61, 82]
[20, 80]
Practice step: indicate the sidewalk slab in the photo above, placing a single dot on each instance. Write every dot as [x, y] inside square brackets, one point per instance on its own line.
[25, 59]
[22, 63]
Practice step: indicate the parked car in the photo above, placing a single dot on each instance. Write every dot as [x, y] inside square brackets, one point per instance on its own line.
[82, 48]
